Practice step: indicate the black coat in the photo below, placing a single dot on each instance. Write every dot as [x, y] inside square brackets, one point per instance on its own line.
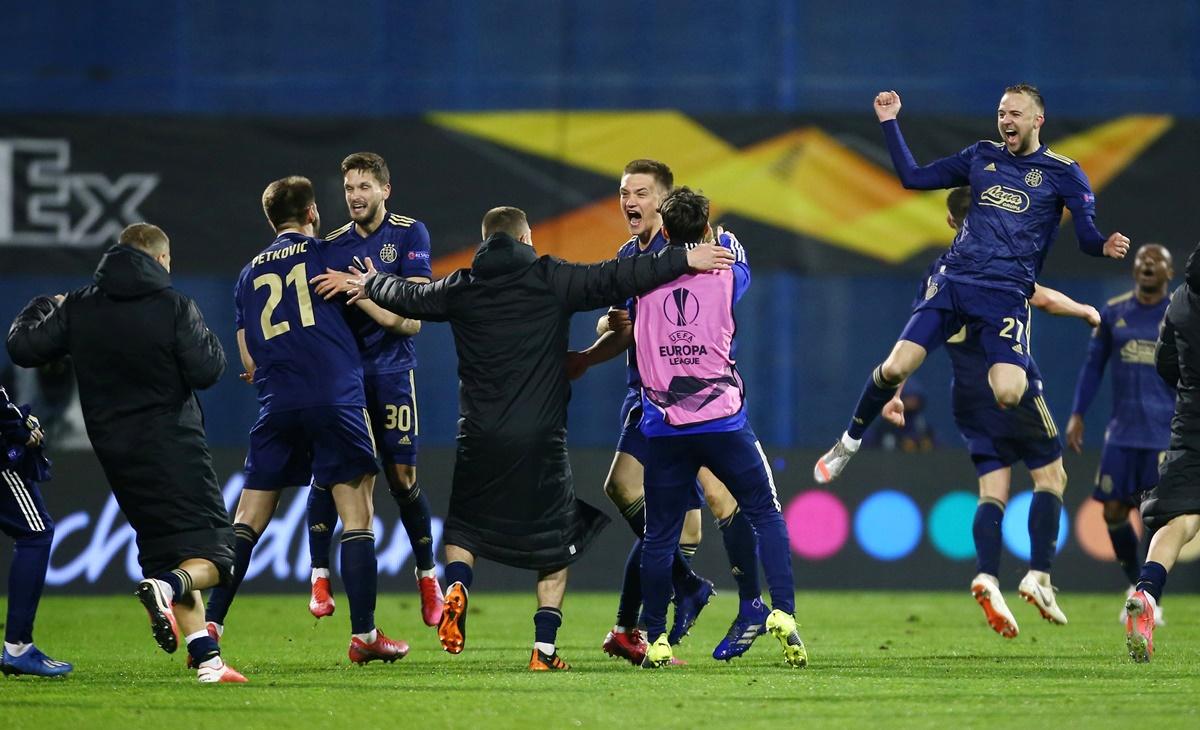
[140, 351]
[512, 499]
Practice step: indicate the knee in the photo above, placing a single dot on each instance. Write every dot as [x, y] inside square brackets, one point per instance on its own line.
[1008, 395]
[893, 372]
[622, 495]
[1116, 513]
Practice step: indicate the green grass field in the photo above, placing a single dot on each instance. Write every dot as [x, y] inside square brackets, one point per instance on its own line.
[876, 659]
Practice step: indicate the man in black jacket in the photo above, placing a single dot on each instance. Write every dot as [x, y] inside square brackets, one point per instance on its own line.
[1171, 509]
[512, 499]
[140, 351]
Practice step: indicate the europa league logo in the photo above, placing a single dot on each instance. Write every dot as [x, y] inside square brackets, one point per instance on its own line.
[681, 308]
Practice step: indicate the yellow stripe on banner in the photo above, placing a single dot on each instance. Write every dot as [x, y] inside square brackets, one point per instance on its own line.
[370, 432]
[412, 388]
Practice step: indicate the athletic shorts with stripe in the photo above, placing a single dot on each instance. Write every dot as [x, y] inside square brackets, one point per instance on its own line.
[23, 513]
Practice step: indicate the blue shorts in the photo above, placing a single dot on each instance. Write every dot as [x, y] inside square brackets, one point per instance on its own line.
[327, 445]
[392, 403]
[633, 442]
[1126, 472]
[1000, 438]
[998, 317]
[23, 513]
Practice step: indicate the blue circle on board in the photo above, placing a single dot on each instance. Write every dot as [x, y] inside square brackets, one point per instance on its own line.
[887, 525]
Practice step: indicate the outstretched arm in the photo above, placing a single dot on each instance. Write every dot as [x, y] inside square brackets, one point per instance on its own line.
[947, 172]
[1052, 301]
[581, 287]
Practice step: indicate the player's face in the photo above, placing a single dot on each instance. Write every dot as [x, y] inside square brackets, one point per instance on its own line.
[1018, 120]
[1152, 267]
[640, 197]
[364, 195]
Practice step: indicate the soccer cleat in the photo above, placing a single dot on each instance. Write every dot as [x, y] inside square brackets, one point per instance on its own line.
[1159, 618]
[1035, 588]
[784, 627]
[832, 462]
[746, 627]
[162, 618]
[221, 673]
[540, 662]
[385, 649]
[629, 645]
[432, 599]
[214, 632]
[659, 654]
[34, 663]
[320, 603]
[1139, 626]
[995, 610]
[452, 629]
[687, 610]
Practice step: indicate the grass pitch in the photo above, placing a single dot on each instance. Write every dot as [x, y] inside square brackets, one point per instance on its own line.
[876, 660]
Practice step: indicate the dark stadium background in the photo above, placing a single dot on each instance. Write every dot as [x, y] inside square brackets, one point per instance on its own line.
[179, 113]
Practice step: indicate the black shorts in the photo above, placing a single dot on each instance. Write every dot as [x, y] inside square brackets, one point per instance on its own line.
[1178, 490]
[164, 554]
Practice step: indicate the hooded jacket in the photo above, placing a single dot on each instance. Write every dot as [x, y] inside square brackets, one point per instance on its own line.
[512, 498]
[140, 351]
[1177, 357]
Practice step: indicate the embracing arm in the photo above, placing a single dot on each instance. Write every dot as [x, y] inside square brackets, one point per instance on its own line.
[409, 299]
[39, 333]
[1166, 354]
[391, 321]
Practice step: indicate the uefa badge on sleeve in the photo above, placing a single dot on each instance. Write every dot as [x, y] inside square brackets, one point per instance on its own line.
[387, 254]
[931, 290]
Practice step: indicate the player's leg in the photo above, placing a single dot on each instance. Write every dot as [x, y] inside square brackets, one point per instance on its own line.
[1165, 546]
[551, 587]
[23, 517]
[1008, 383]
[927, 329]
[690, 535]
[994, 483]
[253, 514]
[1116, 487]
[1002, 320]
[691, 592]
[670, 478]
[1045, 511]
[460, 571]
[204, 652]
[322, 519]
[737, 535]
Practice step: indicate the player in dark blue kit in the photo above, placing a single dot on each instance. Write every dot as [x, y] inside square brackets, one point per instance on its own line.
[998, 438]
[24, 518]
[398, 245]
[1018, 191]
[303, 359]
[1140, 428]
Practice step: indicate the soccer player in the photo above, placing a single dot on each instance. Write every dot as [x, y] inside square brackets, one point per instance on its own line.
[694, 415]
[513, 498]
[998, 438]
[303, 359]
[1172, 509]
[140, 351]
[1140, 427]
[644, 184]
[24, 518]
[401, 246]
[1018, 190]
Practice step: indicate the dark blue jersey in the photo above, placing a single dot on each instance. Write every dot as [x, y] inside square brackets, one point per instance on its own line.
[304, 352]
[399, 246]
[1016, 207]
[1142, 403]
[632, 247]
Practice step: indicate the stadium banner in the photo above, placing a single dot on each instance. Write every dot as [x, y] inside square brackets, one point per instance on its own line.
[894, 521]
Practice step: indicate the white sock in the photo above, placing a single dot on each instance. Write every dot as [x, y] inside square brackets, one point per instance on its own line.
[17, 649]
[201, 634]
[850, 442]
[319, 573]
[618, 629]
[543, 647]
[368, 637]
[431, 573]
[214, 663]
[220, 628]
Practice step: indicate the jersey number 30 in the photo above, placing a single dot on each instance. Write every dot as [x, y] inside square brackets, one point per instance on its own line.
[298, 279]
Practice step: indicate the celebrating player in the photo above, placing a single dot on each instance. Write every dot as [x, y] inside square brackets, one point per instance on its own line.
[1140, 427]
[1018, 190]
[401, 246]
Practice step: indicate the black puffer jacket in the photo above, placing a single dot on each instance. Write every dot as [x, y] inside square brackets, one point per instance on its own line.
[1177, 357]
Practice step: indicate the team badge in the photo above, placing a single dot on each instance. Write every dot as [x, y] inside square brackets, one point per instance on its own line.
[1033, 178]
[931, 290]
[387, 254]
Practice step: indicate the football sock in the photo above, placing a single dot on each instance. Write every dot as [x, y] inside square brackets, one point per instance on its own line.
[459, 572]
[1152, 579]
[322, 519]
[741, 547]
[1044, 511]
[546, 621]
[688, 551]
[26, 579]
[415, 514]
[1125, 545]
[180, 582]
[683, 578]
[360, 577]
[635, 515]
[245, 538]
[17, 649]
[368, 637]
[630, 601]
[986, 530]
[876, 393]
[319, 573]
[201, 647]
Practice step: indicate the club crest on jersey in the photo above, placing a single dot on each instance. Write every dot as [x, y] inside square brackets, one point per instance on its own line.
[998, 196]
[931, 290]
[1033, 178]
[387, 254]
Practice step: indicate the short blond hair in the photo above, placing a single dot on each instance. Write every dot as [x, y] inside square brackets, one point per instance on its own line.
[145, 237]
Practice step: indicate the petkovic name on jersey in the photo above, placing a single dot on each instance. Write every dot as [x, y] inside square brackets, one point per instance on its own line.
[999, 196]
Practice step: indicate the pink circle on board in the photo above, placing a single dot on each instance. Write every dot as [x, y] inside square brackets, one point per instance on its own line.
[818, 524]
